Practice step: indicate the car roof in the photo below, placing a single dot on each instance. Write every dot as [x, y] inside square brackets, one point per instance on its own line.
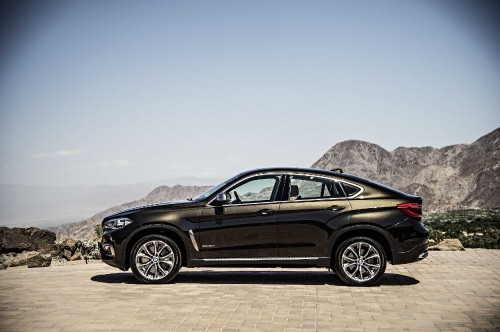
[299, 170]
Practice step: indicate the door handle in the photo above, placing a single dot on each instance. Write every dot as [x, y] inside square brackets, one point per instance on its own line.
[266, 212]
[336, 207]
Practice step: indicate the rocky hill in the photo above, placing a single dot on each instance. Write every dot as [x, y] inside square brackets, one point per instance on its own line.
[85, 230]
[453, 177]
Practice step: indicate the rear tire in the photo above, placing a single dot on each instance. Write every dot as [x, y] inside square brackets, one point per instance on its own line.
[360, 261]
[155, 259]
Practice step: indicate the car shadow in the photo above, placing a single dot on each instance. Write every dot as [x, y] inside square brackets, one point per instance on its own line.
[256, 277]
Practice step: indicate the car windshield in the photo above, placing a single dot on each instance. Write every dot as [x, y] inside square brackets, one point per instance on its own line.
[214, 189]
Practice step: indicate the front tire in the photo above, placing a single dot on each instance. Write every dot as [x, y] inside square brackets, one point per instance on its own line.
[360, 261]
[155, 259]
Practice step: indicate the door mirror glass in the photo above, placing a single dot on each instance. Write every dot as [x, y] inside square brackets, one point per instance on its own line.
[223, 198]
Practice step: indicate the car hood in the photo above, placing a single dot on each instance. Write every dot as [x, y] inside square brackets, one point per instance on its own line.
[162, 205]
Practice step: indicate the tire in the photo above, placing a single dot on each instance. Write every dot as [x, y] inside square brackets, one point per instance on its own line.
[155, 259]
[356, 271]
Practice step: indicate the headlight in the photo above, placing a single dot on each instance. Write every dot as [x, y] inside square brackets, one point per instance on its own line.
[116, 223]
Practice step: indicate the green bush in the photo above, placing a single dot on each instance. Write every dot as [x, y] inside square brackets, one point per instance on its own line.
[474, 228]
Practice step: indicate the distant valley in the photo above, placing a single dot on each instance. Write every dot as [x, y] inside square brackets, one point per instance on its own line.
[45, 206]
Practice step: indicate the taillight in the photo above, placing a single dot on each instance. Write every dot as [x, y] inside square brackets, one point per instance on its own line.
[412, 209]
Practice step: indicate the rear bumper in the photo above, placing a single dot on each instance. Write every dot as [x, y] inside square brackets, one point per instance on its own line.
[418, 252]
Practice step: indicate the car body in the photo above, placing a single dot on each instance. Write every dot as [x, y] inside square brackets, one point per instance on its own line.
[272, 217]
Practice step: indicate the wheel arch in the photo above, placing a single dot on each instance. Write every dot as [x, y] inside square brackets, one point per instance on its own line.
[167, 230]
[366, 230]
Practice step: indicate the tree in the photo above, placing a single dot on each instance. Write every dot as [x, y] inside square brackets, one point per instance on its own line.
[98, 231]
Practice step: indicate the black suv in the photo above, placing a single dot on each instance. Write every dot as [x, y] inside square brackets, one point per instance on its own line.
[268, 218]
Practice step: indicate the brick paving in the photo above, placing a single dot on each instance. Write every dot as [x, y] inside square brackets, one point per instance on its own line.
[448, 291]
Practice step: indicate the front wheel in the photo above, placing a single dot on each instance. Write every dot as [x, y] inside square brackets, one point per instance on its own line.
[155, 259]
[360, 261]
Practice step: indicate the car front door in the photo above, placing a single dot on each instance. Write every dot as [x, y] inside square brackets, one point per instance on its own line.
[312, 208]
[245, 226]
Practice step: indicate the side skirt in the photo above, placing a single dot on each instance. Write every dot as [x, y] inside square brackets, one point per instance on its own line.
[262, 262]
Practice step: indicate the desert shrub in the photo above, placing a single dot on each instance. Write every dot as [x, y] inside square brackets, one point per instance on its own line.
[89, 249]
[474, 228]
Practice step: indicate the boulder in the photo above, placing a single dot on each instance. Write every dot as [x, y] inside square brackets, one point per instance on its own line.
[16, 259]
[68, 244]
[17, 240]
[67, 254]
[448, 245]
[40, 260]
[77, 256]
[22, 258]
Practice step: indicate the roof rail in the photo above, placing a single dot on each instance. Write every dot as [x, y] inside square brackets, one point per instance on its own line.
[338, 170]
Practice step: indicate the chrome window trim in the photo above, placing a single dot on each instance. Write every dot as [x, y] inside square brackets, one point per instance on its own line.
[361, 189]
[279, 202]
[244, 204]
[326, 199]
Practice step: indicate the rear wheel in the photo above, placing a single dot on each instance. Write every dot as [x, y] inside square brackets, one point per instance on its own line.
[155, 259]
[360, 261]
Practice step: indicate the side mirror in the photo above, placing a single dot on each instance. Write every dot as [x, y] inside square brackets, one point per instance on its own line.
[223, 198]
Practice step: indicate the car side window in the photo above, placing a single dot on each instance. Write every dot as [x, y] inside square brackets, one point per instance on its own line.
[261, 189]
[311, 187]
[350, 189]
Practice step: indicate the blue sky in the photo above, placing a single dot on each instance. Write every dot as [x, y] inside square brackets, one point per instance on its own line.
[113, 92]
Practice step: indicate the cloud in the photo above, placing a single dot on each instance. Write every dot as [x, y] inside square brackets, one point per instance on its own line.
[57, 154]
[112, 164]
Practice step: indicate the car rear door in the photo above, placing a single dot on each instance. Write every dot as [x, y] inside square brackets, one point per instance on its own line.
[311, 209]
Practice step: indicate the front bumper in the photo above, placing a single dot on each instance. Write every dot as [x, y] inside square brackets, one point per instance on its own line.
[111, 252]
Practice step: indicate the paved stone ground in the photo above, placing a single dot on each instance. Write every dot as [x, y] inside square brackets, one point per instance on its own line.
[447, 291]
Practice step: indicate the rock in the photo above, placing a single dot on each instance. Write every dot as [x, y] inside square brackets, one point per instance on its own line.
[448, 245]
[22, 258]
[16, 259]
[68, 244]
[67, 254]
[40, 260]
[76, 257]
[17, 240]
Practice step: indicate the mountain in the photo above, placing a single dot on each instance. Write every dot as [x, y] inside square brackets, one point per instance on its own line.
[86, 228]
[453, 177]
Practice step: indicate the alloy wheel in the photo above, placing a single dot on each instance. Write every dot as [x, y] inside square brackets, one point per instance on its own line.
[155, 260]
[361, 261]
